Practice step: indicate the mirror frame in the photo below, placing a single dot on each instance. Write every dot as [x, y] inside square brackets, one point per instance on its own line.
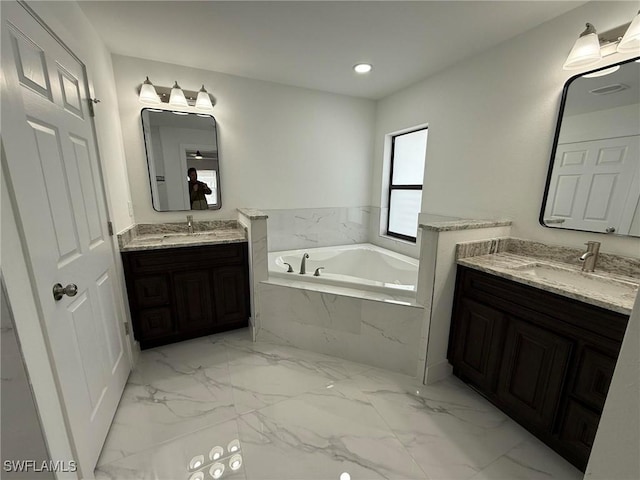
[556, 137]
[146, 149]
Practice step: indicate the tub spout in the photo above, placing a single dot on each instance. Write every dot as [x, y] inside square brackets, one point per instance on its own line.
[303, 264]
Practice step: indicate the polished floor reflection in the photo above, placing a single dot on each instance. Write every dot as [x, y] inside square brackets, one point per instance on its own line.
[224, 407]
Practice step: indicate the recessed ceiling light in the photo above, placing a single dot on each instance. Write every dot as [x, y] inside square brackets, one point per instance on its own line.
[362, 68]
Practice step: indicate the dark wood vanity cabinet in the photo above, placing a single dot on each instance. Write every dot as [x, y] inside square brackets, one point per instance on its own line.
[544, 359]
[181, 293]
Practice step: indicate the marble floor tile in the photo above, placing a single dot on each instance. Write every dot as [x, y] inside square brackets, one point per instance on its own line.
[303, 415]
[448, 429]
[182, 458]
[320, 435]
[530, 460]
[170, 392]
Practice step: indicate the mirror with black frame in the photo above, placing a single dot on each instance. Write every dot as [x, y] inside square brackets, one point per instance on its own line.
[593, 183]
[183, 161]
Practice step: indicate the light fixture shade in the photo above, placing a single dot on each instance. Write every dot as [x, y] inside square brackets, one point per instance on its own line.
[177, 98]
[203, 102]
[631, 39]
[586, 50]
[148, 93]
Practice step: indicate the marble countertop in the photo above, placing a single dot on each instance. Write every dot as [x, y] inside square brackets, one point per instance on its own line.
[603, 289]
[253, 213]
[158, 240]
[440, 223]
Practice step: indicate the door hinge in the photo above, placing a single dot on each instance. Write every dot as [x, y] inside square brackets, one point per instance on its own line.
[110, 228]
[126, 328]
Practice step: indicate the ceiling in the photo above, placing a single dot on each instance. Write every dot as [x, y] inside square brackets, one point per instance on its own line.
[314, 44]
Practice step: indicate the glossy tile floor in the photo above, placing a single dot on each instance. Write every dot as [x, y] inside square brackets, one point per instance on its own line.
[301, 415]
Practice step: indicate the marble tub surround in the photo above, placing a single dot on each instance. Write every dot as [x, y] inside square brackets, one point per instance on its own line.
[436, 285]
[302, 415]
[255, 224]
[378, 333]
[291, 229]
[170, 235]
[442, 223]
[602, 289]
[344, 291]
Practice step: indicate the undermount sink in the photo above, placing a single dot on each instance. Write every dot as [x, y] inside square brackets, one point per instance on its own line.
[583, 281]
[187, 235]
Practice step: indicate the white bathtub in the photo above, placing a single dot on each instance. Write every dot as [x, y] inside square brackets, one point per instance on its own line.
[362, 266]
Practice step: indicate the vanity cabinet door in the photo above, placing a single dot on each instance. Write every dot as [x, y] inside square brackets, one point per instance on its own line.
[194, 306]
[532, 373]
[476, 344]
[231, 301]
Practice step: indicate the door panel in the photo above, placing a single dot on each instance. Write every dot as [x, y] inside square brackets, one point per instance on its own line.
[590, 185]
[59, 203]
[478, 336]
[532, 371]
[194, 306]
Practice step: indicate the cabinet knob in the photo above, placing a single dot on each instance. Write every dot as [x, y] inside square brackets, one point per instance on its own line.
[610, 229]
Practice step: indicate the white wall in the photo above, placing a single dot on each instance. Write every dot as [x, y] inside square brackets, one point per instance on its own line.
[610, 123]
[492, 119]
[280, 147]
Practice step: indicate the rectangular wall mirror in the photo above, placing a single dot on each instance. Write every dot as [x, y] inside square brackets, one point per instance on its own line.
[593, 183]
[183, 160]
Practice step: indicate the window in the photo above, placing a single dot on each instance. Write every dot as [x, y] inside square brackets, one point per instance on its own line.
[408, 151]
[210, 177]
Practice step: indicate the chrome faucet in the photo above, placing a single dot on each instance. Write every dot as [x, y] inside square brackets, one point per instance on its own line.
[303, 264]
[590, 257]
[190, 224]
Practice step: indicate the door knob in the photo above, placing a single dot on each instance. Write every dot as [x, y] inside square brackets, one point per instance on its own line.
[610, 229]
[59, 291]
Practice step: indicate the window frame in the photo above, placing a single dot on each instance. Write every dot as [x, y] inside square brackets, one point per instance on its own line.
[393, 187]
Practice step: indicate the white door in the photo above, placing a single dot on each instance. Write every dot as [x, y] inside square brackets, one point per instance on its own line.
[55, 183]
[591, 184]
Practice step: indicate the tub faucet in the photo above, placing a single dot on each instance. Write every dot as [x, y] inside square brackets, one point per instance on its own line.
[590, 257]
[303, 264]
[190, 224]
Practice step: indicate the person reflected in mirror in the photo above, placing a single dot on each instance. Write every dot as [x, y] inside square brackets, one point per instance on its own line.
[197, 191]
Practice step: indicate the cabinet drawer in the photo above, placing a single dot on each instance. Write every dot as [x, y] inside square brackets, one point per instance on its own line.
[595, 371]
[154, 322]
[185, 258]
[578, 431]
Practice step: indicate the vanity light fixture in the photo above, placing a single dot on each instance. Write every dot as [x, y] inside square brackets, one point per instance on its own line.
[586, 50]
[203, 102]
[148, 93]
[631, 39]
[362, 67]
[177, 98]
[591, 47]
